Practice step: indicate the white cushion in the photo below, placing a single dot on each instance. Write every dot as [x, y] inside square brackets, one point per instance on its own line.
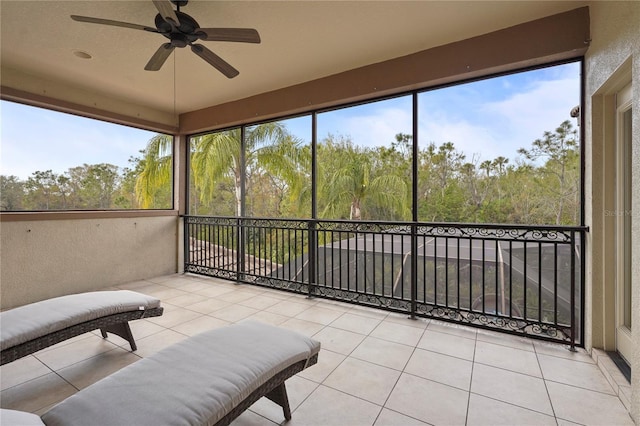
[38, 319]
[196, 381]
[19, 418]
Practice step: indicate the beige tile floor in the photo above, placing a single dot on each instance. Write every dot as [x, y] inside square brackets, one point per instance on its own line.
[375, 368]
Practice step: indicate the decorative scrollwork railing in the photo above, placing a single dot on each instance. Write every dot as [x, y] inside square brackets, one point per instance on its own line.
[525, 280]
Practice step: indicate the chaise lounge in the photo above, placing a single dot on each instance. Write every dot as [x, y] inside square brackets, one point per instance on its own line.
[208, 379]
[30, 328]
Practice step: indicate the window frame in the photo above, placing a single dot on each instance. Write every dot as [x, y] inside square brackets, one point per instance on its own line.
[414, 93]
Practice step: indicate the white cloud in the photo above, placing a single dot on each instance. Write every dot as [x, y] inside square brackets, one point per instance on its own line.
[378, 129]
[472, 140]
[370, 125]
[530, 113]
[469, 115]
[500, 128]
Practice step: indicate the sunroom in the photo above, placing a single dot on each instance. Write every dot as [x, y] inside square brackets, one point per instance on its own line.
[388, 291]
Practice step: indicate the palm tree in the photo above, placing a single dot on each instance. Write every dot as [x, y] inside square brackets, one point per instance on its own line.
[217, 155]
[268, 147]
[155, 170]
[350, 178]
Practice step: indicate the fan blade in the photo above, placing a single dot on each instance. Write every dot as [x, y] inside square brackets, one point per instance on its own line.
[166, 11]
[242, 35]
[216, 61]
[158, 58]
[112, 23]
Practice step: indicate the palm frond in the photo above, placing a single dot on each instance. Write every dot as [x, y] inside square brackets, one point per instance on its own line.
[157, 171]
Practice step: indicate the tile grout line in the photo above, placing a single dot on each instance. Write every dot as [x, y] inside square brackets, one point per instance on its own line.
[384, 404]
[473, 366]
[347, 356]
[544, 381]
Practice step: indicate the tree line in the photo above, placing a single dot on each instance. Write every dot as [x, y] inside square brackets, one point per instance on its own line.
[100, 186]
[354, 182]
[358, 182]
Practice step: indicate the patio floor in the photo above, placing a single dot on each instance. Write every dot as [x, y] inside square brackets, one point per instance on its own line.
[375, 368]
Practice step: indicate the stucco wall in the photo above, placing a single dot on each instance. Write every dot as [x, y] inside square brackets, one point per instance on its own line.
[48, 258]
[615, 34]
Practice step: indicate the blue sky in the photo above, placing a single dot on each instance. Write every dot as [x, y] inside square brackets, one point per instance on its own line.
[36, 139]
[484, 119]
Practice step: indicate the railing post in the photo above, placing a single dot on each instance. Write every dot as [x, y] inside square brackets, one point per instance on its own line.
[415, 154]
[414, 269]
[240, 248]
[313, 258]
[573, 292]
[581, 258]
[240, 266]
[186, 243]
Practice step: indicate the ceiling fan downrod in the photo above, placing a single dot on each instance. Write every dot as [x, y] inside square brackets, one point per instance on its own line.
[179, 3]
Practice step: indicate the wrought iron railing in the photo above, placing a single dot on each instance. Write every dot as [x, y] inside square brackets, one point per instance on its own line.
[524, 280]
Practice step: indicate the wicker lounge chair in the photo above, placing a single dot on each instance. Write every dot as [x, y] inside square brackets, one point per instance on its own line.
[208, 379]
[30, 328]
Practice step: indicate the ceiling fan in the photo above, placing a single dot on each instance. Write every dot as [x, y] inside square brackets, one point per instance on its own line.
[182, 30]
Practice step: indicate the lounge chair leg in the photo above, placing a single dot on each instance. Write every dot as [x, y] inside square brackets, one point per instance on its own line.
[123, 330]
[279, 396]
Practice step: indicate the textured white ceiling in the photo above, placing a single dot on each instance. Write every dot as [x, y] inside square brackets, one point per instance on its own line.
[301, 41]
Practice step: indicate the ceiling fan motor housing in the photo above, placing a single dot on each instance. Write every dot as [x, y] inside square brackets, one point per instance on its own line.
[181, 35]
